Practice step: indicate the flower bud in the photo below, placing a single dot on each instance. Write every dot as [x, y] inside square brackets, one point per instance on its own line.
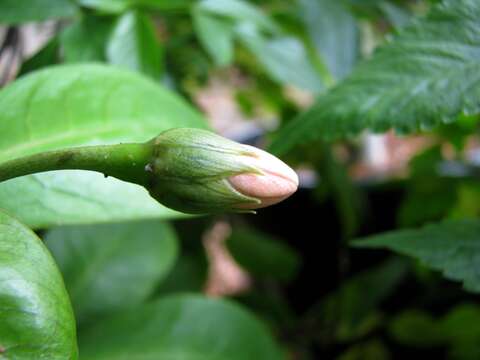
[196, 171]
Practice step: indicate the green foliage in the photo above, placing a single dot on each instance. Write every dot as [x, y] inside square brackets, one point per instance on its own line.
[284, 58]
[134, 45]
[351, 312]
[425, 76]
[181, 326]
[263, 255]
[36, 318]
[458, 330]
[334, 34]
[451, 247]
[119, 6]
[111, 267]
[85, 39]
[14, 11]
[75, 105]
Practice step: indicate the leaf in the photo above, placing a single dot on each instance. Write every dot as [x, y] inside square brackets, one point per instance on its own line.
[416, 328]
[119, 6]
[85, 40]
[284, 58]
[134, 45]
[262, 255]
[14, 11]
[458, 329]
[181, 327]
[36, 318]
[451, 247]
[111, 267]
[241, 12]
[426, 75]
[77, 105]
[188, 275]
[215, 35]
[77, 197]
[351, 311]
[334, 34]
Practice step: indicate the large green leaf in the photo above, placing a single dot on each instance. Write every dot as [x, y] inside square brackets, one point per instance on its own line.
[15, 11]
[134, 45]
[334, 34]
[74, 105]
[180, 327]
[113, 266]
[452, 247]
[426, 75]
[36, 318]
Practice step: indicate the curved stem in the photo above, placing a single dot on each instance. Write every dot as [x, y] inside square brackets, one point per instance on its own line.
[124, 161]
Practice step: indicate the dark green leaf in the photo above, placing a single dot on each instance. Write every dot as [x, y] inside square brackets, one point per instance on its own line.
[134, 45]
[114, 266]
[351, 311]
[77, 105]
[17, 11]
[181, 327]
[36, 318]
[458, 330]
[262, 255]
[334, 33]
[85, 40]
[369, 350]
[451, 247]
[416, 328]
[425, 76]
[188, 275]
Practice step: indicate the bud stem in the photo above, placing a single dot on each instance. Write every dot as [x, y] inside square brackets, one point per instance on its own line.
[124, 161]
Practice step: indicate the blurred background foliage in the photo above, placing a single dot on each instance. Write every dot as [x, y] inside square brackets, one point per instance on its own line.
[297, 289]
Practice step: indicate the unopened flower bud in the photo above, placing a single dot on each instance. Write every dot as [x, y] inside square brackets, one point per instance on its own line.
[196, 171]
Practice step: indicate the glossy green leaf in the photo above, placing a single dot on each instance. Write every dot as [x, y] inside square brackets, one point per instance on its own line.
[15, 11]
[183, 327]
[333, 32]
[85, 39]
[451, 247]
[113, 266]
[74, 105]
[263, 255]
[134, 45]
[426, 75]
[36, 318]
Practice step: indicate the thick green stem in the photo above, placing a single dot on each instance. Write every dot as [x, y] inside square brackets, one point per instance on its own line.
[124, 161]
